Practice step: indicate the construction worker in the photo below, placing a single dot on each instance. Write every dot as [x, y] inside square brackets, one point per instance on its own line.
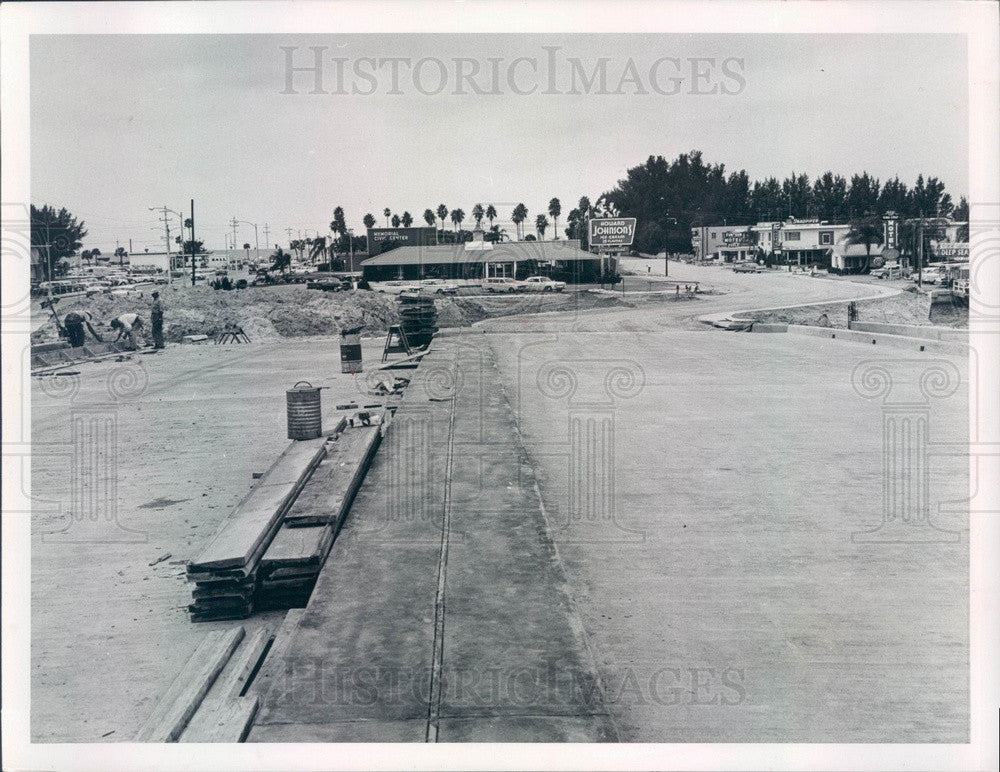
[127, 324]
[156, 317]
[73, 322]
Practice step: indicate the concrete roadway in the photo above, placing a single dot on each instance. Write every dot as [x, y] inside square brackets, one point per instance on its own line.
[739, 292]
[712, 576]
[718, 500]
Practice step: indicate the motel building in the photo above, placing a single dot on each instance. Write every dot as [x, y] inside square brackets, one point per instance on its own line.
[802, 242]
[478, 259]
[725, 243]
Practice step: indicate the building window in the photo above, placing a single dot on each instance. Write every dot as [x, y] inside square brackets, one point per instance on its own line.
[826, 237]
[713, 234]
[792, 236]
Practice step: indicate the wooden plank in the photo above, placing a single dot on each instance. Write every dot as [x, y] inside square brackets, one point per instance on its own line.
[230, 685]
[230, 724]
[188, 689]
[297, 547]
[271, 672]
[256, 517]
[327, 496]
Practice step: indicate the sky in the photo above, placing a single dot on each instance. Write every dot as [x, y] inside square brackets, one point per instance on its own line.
[123, 123]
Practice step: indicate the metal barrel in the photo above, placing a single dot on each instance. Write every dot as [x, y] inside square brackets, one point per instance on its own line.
[305, 420]
[350, 351]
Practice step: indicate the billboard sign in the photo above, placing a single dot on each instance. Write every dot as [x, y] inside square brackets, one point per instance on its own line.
[382, 239]
[612, 231]
[952, 250]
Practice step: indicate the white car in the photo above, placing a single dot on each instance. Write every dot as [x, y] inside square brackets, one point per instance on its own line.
[395, 287]
[503, 284]
[439, 286]
[543, 284]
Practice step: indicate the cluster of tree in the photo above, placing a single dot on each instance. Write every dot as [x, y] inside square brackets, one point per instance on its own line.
[668, 198]
[57, 235]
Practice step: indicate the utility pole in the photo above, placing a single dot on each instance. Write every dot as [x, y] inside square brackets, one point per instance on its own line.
[192, 244]
[235, 224]
[289, 232]
[920, 252]
[166, 230]
[255, 237]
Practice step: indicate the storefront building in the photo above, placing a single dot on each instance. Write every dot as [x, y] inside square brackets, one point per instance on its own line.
[560, 260]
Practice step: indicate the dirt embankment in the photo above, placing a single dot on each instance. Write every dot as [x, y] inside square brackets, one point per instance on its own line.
[909, 307]
[263, 312]
[466, 311]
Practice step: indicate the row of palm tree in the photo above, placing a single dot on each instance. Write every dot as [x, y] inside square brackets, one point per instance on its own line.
[442, 214]
[324, 247]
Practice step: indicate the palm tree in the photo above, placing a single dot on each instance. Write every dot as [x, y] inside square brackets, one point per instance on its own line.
[388, 213]
[555, 209]
[541, 223]
[406, 219]
[477, 213]
[246, 246]
[491, 213]
[318, 248]
[457, 215]
[430, 218]
[369, 220]
[518, 216]
[395, 221]
[442, 212]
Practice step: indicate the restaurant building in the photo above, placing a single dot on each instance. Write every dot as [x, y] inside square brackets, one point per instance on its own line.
[561, 260]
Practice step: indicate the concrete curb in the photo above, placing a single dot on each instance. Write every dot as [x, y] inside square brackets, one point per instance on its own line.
[882, 339]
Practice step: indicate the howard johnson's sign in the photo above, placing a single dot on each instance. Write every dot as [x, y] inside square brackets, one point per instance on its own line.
[612, 231]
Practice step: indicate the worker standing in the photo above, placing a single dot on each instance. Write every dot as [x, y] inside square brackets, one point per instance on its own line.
[156, 317]
[127, 324]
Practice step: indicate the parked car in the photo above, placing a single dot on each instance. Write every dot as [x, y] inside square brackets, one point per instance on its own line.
[395, 287]
[96, 289]
[440, 286]
[747, 268]
[503, 284]
[886, 272]
[543, 284]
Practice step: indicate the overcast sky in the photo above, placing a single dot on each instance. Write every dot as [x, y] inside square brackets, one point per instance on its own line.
[123, 123]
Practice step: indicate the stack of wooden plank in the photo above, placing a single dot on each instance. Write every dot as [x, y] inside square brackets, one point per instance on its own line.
[290, 565]
[225, 574]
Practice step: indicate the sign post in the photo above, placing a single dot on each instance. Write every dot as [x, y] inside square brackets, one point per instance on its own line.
[611, 233]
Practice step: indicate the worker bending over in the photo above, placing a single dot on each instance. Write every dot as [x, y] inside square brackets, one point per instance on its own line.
[127, 324]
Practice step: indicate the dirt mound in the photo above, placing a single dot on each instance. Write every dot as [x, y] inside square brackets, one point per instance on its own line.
[911, 308]
[263, 312]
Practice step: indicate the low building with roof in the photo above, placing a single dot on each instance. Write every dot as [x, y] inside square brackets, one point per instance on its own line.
[562, 260]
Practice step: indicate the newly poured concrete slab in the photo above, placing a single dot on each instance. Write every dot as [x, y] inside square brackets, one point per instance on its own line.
[442, 612]
[766, 535]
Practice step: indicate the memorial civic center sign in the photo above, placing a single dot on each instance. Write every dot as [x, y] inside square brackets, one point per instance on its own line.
[612, 231]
